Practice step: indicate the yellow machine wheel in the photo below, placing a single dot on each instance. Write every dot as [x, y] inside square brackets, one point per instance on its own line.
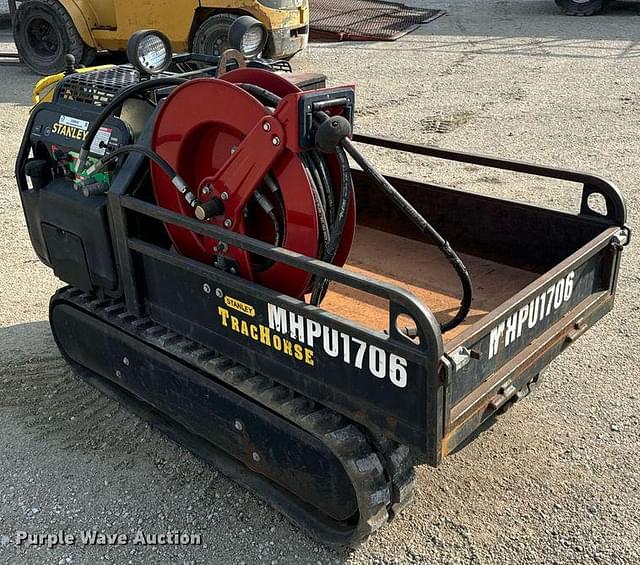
[44, 33]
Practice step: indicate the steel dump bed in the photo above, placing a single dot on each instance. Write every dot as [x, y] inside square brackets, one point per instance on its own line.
[541, 279]
[374, 351]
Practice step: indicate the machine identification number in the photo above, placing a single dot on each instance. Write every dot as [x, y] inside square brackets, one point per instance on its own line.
[73, 122]
[299, 338]
[510, 330]
[351, 350]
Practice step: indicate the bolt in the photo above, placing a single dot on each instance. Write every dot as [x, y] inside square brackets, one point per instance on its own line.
[233, 271]
[206, 288]
[267, 126]
[238, 425]
[234, 148]
[125, 360]
[224, 196]
[222, 247]
[256, 457]
[276, 140]
[206, 190]
[118, 374]
[219, 293]
[228, 223]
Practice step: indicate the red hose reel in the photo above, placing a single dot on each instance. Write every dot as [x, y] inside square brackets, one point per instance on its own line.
[224, 142]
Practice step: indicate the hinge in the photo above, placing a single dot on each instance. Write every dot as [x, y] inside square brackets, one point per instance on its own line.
[461, 358]
[622, 238]
[457, 360]
[505, 393]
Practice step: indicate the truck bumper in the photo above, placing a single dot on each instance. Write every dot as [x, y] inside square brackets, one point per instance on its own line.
[286, 42]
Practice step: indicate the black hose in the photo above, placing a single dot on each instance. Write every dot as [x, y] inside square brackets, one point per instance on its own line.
[128, 92]
[425, 227]
[325, 230]
[176, 179]
[115, 104]
[321, 286]
[331, 220]
[265, 96]
[267, 207]
[331, 224]
[276, 227]
[322, 169]
[316, 180]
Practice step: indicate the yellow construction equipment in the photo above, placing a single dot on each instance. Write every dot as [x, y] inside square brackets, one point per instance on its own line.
[46, 30]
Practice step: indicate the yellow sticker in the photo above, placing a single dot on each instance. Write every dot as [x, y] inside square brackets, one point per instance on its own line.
[240, 306]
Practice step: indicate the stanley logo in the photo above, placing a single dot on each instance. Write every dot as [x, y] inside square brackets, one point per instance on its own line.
[240, 306]
[73, 128]
[69, 131]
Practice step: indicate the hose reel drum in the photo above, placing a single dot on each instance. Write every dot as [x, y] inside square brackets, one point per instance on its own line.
[236, 142]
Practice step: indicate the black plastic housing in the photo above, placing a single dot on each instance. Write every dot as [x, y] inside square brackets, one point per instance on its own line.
[70, 233]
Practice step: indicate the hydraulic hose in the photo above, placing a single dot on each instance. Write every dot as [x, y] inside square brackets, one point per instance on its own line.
[176, 179]
[128, 92]
[115, 104]
[120, 98]
[331, 218]
[425, 227]
[321, 286]
[332, 223]
[179, 182]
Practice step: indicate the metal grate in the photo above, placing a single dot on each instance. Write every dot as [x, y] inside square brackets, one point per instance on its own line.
[98, 87]
[284, 66]
[366, 19]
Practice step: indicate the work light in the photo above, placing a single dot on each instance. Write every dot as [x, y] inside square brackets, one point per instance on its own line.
[248, 36]
[149, 51]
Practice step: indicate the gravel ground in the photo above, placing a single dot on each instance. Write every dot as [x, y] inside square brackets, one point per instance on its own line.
[554, 481]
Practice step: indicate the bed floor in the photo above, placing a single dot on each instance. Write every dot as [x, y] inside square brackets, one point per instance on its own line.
[421, 269]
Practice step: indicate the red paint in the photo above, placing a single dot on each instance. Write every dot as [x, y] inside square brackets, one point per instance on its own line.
[213, 133]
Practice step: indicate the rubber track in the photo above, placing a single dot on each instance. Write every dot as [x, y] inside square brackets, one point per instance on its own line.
[381, 471]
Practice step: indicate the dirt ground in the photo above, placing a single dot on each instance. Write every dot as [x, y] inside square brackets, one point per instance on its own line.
[554, 481]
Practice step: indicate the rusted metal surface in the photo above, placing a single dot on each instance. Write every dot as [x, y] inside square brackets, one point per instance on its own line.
[480, 225]
[481, 405]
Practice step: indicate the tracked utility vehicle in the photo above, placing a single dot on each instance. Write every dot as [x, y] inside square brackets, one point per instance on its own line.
[244, 279]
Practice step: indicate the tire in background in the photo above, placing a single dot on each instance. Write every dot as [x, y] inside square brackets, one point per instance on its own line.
[582, 7]
[212, 36]
[44, 33]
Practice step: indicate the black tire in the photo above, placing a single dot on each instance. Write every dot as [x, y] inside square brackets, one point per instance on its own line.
[582, 7]
[212, 36]
[44, 33]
